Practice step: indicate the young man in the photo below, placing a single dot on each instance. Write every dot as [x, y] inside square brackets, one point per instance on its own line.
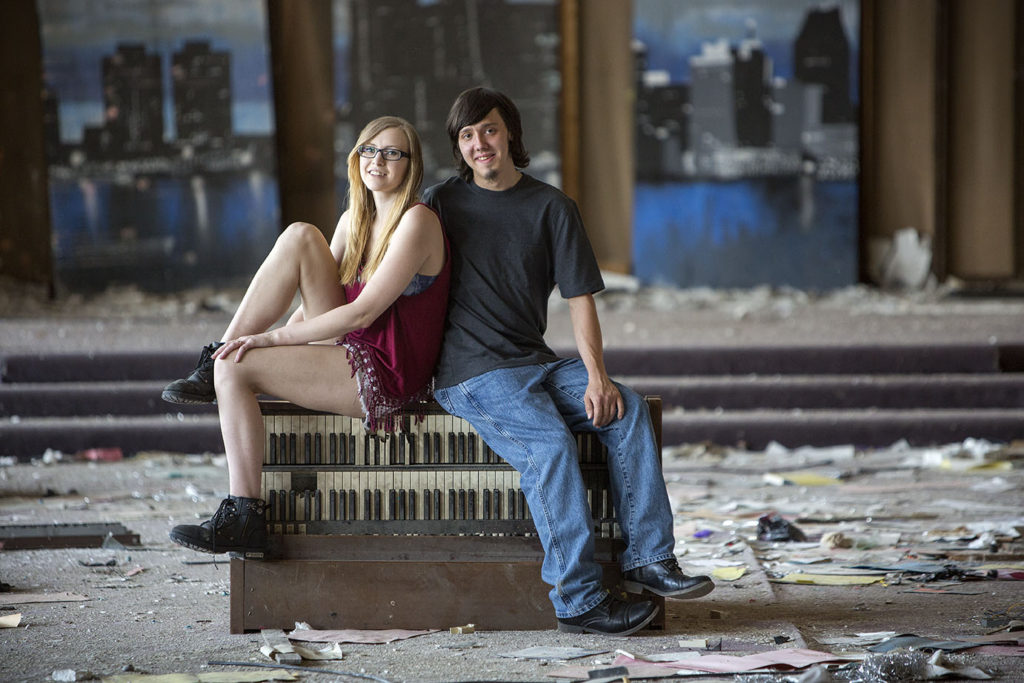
[513, 239]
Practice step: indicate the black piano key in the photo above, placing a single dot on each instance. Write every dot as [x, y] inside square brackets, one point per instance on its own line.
[393, 449]
[471, 454]
[332, 498]
[412, 504]
[438, 514]
[351, 504]
[377, 511]
[332, 449]
[318, 448]
[427, 512]
[318, 508]
[437, 447]
[401, 504]
[523, 507]
[496, 499]
[392, 504]
[487, 504]
[307, 449]
[462, 447]
[471, 502]
[352, 449]
[293, 497]
[462, 504]
[272, 505]
[451, 504]
[293, 449]
[282, 449]
[307, 504]
[367, 504]
[272, 450]
[401, 447]
[511, 499]
[451, 447]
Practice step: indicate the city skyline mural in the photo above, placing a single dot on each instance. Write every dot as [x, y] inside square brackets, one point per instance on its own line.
[159, 136]
[747, 143]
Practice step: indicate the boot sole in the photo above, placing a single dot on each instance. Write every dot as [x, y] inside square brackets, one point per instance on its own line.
[187, 399]
[236, 553]
[697, 591]
[572, 628]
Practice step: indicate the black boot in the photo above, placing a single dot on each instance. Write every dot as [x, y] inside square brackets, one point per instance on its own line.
[238, 527]
[197, 387]
[611, 617]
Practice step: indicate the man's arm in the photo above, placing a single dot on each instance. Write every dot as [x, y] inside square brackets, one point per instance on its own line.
[602, 399]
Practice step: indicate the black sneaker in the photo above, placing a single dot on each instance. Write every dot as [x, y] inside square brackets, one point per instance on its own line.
[238, 527]
[197, 387]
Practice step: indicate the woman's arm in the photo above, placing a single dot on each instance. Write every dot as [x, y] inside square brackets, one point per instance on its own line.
[415, 241]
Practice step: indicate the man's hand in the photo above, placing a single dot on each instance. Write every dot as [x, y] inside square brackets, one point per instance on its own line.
[603, 401]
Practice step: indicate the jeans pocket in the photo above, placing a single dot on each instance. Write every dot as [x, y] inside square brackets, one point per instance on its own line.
[441, 396]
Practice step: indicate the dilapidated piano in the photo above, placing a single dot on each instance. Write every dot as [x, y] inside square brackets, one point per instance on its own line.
[423, 526]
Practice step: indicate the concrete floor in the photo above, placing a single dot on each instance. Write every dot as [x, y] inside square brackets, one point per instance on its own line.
[157, 611]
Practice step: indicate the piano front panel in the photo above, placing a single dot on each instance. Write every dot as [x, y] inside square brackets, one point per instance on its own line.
[326, 474]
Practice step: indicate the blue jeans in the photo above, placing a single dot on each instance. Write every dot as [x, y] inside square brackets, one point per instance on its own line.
[528, 415]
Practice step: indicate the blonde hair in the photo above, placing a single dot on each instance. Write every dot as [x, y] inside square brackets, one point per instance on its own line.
[363, 211]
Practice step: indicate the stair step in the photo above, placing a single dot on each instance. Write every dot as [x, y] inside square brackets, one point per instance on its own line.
[755, 429]
[31, 437]
[835, 391]
[808, 360]
[745, 360]
[65, 399]
[97, 367]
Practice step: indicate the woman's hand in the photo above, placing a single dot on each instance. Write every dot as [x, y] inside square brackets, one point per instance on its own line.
[243, 344]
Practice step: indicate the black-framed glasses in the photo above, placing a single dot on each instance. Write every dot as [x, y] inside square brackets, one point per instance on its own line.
[389, 153]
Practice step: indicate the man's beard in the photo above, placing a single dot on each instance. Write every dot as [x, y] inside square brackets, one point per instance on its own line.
[490, 174]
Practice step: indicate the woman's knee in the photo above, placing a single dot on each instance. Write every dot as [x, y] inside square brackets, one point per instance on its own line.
[301, 233]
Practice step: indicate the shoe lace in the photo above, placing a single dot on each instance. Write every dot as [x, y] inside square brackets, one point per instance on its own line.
[222, 517]
[672, 564]
[204, 355]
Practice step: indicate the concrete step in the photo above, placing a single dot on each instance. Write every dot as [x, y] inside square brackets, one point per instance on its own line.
[30, 437]
[67, 399]
[27, 438]
[835, 391]
[779, 392]
[745, 360]
[755, 429]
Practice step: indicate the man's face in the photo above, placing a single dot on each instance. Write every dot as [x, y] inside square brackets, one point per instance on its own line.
[484, 147]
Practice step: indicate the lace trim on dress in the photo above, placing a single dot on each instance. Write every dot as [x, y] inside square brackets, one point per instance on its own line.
[378, 406]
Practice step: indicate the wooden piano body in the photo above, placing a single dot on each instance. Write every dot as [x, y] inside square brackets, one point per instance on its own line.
[420, 527]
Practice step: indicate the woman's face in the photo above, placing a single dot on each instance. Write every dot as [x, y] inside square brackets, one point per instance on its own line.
[377, 173]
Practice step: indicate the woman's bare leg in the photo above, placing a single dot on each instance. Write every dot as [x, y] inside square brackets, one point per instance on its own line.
[313, 375]
[301, 260]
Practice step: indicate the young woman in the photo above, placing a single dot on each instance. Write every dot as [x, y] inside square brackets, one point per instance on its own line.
[364, 342]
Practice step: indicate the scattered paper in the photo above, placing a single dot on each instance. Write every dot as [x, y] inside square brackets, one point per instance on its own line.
[728, 573]
[380, 636]
[794, 658]
[205, 677]
[10, 620]
[24, 598]
[829, 579]
[552, 653]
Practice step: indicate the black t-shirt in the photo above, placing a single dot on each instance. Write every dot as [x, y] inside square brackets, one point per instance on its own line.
[509, 250]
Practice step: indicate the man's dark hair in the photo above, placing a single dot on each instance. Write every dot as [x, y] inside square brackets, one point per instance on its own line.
[474, 104]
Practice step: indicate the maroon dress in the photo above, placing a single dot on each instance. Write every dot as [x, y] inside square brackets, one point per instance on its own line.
[395, 356]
